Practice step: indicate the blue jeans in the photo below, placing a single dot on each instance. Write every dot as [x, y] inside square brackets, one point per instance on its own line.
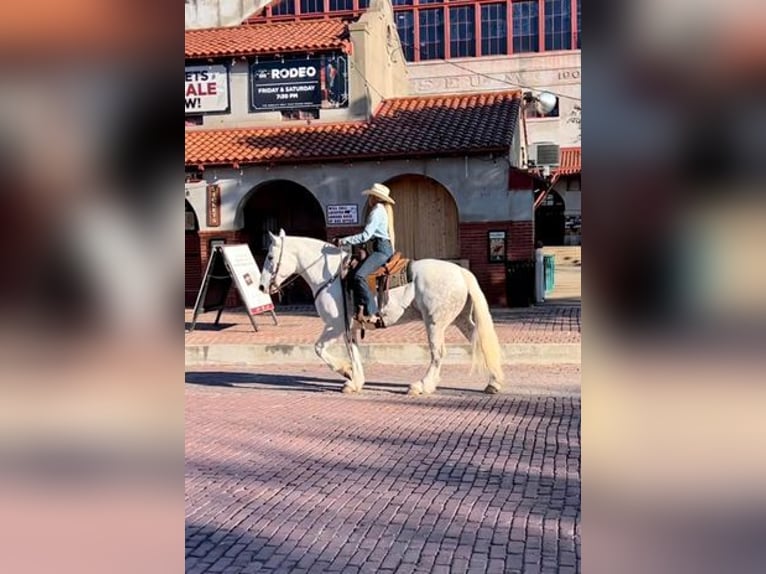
[382, 253]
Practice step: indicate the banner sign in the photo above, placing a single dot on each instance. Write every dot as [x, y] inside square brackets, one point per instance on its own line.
[206, 89]
[346, 214]
[286, 84]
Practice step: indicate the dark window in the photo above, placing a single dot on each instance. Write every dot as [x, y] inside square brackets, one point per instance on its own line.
[431, 2]
[431, 34]
[312, 6]
[579, 22]
[284, 7]
[364, 3]
[402, 2]
[558, 24]
[462, 32]
[526, 37]
[494, 32]
[341, 5]
[406, 28]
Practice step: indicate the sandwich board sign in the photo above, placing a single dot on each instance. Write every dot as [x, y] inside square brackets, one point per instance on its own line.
[232, 265]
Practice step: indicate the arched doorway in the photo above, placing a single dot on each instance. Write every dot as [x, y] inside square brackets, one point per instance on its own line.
[425, 218]
[289, 206]
[549, 220]
[193, 263]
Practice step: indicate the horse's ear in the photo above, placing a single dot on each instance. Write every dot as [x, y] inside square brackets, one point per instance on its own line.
[281, 232]
[273, 237]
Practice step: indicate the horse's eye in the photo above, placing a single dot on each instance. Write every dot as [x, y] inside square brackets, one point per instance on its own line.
[270, 258]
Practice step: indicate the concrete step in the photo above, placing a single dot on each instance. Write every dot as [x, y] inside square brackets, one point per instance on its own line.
[407, 353]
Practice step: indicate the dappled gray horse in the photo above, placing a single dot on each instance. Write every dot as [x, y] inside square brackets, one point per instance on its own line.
[440, 292]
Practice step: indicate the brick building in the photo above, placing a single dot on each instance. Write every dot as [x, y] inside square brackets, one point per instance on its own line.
[288, 121]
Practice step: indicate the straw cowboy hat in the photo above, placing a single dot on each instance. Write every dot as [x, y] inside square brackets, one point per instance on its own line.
[381, 192]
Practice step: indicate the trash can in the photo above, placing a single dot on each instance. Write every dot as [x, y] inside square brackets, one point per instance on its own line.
[550, 272]
[520, 283]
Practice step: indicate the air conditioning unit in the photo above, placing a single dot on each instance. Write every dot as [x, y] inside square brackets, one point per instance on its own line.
[545, 154]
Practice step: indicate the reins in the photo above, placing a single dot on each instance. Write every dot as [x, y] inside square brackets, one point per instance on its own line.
[274, 288]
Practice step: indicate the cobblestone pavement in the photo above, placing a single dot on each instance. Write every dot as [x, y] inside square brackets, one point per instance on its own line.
[301, 325]
[286, 474]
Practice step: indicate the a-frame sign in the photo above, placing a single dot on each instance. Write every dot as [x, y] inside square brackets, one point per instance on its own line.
[232, 264]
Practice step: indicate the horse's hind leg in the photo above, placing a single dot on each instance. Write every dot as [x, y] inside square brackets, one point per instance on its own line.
[342, 368]
[427, 385]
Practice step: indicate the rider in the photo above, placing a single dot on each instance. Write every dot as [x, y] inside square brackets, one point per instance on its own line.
[380, 228]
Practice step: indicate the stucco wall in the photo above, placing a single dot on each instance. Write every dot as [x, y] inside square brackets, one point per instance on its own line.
[213, 13]
[377, 70]
[558, 72]
[478, 185]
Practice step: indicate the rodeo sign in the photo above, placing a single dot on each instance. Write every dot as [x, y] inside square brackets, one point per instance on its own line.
[279, 84]
[206, 89]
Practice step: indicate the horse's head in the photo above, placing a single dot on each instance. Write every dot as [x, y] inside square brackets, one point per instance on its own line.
[279, 264]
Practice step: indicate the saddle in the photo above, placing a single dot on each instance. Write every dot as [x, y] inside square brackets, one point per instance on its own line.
[393, 273]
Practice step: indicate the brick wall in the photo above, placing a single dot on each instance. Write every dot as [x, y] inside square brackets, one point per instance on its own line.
[233, 298]
[474, 246]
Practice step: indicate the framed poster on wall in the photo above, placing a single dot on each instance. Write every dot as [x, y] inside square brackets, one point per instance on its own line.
[497, 245]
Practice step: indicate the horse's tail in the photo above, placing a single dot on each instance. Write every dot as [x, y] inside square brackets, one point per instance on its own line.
[486, 354]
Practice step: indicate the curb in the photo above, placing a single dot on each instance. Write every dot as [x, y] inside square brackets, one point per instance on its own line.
[524, 353]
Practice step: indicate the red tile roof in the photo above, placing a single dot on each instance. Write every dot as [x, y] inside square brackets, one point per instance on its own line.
[570, 161]
[402, 127]
[267, 38]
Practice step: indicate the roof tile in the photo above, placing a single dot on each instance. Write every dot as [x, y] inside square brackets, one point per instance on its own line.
[277, 37]
[402, 127]
[570, 162]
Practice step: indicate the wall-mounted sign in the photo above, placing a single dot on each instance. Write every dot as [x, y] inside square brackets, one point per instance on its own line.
[496, 246]
[213, 205]
[346, 214]
[299, 84]
[206, 89]
[294, 84]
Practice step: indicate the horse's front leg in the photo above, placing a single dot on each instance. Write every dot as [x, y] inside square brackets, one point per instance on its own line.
[357, 380]
[343, 368]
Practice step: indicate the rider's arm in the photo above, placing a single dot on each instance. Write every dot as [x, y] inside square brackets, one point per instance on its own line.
[376, 220]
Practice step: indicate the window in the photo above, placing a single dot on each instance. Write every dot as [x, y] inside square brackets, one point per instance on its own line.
[494, 33]
[405, 25]
[284, 7]
[462, 32]
[312, 6]
[579, 22]
[402, 2]
[364, 3]
[341, 5]
[558, 24]
[431, 34]
[526, 37]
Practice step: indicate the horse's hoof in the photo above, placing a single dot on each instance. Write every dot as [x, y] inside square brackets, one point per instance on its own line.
[416, 389]
[345, 371]
[349, 388]
[491, 390]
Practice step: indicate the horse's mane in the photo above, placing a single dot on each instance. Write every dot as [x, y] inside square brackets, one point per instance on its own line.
[320, 243]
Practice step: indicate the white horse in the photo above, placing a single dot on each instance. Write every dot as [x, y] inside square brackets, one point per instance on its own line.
[438, 293]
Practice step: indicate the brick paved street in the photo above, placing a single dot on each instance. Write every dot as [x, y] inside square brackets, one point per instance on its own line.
[286, 474]
[543, 324]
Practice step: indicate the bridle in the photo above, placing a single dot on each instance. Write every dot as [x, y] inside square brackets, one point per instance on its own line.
[277, 289]
[273, 287]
